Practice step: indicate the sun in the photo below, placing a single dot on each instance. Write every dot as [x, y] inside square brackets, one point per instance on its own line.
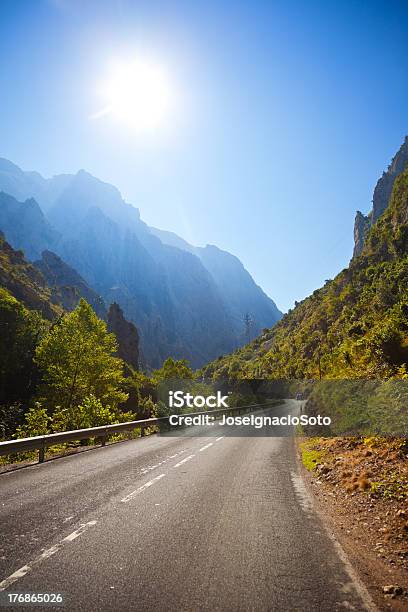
[136, 93]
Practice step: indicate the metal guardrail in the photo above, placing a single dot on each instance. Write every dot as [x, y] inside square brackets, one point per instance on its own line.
[41, 443]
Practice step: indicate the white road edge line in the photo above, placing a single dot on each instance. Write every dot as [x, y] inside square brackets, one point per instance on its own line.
[307, 502]
[203, 448]
[183, 461]
[142, 488]
[7, 582]
[220, 438]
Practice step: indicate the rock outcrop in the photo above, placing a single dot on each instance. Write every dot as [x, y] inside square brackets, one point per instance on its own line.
[126, 335]
[381, 197]
[361, 227]
[385, 184]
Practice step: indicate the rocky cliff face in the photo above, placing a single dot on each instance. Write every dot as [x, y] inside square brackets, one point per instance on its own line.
[126, 335]
[68, 286]
[385, 184]
[381, 197]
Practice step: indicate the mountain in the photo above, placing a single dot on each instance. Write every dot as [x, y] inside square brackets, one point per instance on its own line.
[186, 302]
[67, 284]
[21, 185]
[25, 226]
[240, 294]
[356, 326]
[25, 282]
[381, 197]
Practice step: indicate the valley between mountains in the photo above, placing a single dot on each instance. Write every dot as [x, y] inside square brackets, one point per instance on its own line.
[97, 310]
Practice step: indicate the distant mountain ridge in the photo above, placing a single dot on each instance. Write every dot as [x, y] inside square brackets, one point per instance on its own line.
[186, 301]
[240, 292]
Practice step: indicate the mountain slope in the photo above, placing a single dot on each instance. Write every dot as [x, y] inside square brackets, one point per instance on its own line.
[239, 292]
[356, 326]
[21, 185]
[25, 282]
[67, 284]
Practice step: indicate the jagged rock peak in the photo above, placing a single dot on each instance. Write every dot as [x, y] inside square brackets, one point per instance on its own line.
[361, 225]
[383, 189]
[381, 197]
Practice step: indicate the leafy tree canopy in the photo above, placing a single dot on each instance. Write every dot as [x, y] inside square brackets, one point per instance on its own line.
[77, 360]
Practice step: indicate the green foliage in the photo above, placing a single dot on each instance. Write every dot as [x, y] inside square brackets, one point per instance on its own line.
[391, 488]
[77, 360]
[90, 413]
[146, 408]
[25, 282]
[139, 388]
[36, 423]
[11, 416]
[161, 410]
[173, 370]
[20, 331]
[387, 408]
[310, 459]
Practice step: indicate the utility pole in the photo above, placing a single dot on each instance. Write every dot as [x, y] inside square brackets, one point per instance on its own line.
[248, 320]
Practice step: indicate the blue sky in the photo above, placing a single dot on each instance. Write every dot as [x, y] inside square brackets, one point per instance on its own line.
[284, 116]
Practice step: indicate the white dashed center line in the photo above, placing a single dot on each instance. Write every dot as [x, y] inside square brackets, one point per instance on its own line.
[142, 488]
[7, 582]
[206, 446]
[183, 461]
[149, 468]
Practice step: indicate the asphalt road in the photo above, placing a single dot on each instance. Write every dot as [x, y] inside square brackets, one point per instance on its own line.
[179, 524]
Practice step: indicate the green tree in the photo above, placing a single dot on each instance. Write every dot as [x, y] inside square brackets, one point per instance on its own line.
[139, 387]
[173, 369]
[77, 360]
[20, 331]
[90, 413]
[36, 423]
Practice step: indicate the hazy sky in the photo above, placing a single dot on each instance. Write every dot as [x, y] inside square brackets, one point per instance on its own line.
[283, 115]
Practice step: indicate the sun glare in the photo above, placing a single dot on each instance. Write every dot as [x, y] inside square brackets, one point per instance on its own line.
[137, 94]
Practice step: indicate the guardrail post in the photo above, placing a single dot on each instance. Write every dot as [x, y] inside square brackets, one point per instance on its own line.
[41, 455]
[142, 431]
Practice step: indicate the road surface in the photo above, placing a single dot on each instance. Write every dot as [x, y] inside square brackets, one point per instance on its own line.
[179, 524]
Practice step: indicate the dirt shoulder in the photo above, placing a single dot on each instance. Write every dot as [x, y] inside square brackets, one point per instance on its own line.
[361, 487]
